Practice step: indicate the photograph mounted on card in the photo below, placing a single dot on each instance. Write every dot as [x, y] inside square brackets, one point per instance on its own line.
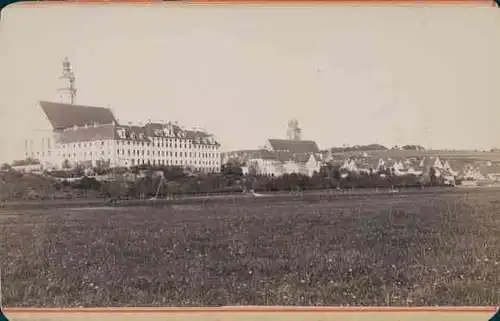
[249, 155]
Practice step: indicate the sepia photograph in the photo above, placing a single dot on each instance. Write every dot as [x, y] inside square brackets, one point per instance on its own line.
[188, 155]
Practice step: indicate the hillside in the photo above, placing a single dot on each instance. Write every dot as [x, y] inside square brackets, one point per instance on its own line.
[15, 184]
[396, 153]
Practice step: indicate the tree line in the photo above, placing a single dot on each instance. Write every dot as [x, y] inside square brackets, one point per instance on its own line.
[165, 181]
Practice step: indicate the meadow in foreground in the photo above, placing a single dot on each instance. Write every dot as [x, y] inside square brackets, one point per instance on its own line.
[411, 250]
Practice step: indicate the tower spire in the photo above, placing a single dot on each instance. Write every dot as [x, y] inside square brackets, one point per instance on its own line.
[67, 92]
[293, 132]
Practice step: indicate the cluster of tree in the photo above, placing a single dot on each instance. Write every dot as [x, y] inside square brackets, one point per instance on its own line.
[5, 167]
[413, 147]
[26, 162]
[171, 181]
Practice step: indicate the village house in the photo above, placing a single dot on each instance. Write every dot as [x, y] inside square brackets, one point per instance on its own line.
[350, 166]
[473, 173]
[238, 157]
[276, 164]
[491, 171]
[280, 156]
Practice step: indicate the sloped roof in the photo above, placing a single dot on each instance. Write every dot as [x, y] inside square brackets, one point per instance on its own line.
[294, 146]
[150, 128]
[282, 156]
[101, 132]
[63, 116]
[196, 135]
[262, 154]
[136, 130]
[241, 156]
[493, 169]
[303, 158]
[430, 160]
[192, 134]
[390, 162]
[459, 165]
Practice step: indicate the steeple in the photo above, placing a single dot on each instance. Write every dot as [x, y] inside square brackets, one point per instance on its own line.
[67, 92]
[293, 132]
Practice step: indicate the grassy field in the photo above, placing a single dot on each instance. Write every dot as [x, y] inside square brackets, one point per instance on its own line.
[415, 249]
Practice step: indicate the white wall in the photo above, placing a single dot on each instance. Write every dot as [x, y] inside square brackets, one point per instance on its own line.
[131, 153]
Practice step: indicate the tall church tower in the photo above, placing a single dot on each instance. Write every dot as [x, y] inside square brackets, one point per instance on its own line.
[67, 92]
[293, 132]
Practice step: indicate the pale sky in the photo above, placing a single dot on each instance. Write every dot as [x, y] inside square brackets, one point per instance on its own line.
[350, 75]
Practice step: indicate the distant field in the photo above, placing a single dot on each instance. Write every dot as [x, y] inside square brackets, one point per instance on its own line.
[238, 198]
[459, 155]
[413, 249]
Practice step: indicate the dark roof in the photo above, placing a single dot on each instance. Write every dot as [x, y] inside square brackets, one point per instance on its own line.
[492, 169]
[294, 146]
[282, 156]
[102, 132]
[196, 135]
[262, 154]
[372, 163]
[304, 158]
[63, 116]
[151, 130]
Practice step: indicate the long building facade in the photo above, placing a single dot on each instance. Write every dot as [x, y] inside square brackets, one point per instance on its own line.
[87, 135]
[91, 136]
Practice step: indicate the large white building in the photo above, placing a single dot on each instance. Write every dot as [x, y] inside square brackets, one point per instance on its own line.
[75, 134]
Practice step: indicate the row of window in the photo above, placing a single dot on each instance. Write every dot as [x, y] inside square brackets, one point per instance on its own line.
[164, 162]
[32, 154]
[85, 144]
[160, 135]
[166, 154]
[45, 142]
[136, 153]
[133, 143]
[84, 154]
[163, 144]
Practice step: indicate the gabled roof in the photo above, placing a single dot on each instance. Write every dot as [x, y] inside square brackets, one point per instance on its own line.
[102, 132]
[262, 154]
[294, 146]
[282, 156]
[390, 162]
[133, 133]
[492, 169]
[304, 158]
[63, 116]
